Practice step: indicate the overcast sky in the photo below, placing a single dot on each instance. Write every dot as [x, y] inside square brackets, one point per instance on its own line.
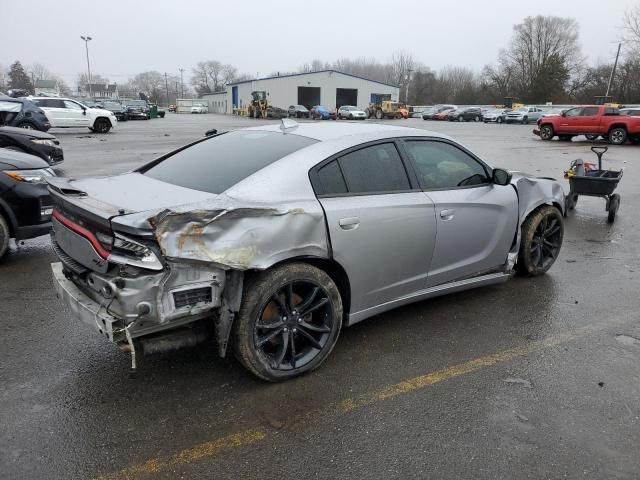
[261, 36]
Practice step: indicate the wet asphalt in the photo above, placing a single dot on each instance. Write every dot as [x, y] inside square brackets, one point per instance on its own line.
[534, 378]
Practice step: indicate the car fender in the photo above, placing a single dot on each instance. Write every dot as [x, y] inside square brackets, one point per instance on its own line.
[536, 191]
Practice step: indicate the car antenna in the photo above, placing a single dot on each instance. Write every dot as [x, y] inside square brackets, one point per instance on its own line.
[287, 124]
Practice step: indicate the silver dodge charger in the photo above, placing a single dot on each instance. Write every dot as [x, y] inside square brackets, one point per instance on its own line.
[267, 240]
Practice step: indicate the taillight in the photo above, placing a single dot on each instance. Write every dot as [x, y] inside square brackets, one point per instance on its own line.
[80, 230]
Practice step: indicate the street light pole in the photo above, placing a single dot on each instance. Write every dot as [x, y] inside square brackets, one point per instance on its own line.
[406, 94]
[181, 83]
[87, 39]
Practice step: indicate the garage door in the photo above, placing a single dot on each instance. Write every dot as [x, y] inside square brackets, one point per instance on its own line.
[346, 96]
[309, 96]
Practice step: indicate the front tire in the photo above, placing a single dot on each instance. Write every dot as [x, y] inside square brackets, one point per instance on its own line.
[379, 114]
[289, 321]
[525, 121]
[546, 132]
[101, 125]
[541, 240]
[5, 235]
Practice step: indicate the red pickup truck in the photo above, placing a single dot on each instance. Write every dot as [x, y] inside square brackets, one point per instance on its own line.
[592, 121]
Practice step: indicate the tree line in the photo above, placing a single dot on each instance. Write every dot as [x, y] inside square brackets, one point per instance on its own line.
[542, 63]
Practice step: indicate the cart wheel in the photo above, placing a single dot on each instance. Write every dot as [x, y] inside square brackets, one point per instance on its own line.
[614, 204]
[571, 201]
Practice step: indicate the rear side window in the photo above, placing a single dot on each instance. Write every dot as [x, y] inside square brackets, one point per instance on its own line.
[374, 169]
[216, 164]
[331, 179]
[611, 111]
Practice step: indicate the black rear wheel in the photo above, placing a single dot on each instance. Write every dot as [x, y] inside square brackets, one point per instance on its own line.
[5, 235]
[614, 204]
[289, 321]
[541, 240]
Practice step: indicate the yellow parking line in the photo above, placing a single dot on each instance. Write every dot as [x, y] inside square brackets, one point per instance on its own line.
[247, 437]
[188, 455]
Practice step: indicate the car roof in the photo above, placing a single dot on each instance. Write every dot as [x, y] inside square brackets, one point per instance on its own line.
[281, 180]
[359, 133]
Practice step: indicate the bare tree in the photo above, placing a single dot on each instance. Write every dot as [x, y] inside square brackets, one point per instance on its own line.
[543, 54]
[632, 27]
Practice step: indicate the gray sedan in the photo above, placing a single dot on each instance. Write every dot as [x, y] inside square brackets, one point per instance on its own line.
[269, 240]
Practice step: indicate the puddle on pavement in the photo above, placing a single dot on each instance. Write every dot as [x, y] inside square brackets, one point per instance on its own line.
[628, 340]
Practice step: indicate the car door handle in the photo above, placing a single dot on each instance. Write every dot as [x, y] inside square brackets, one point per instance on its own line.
[349, 223]
[447, 214]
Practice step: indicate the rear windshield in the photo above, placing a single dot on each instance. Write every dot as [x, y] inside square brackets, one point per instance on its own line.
[216, 164]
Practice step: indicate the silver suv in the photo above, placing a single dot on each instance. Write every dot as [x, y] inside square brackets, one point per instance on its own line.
[525, 115]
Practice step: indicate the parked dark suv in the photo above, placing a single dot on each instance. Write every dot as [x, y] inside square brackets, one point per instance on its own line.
[119, 110]
[138, 109]
[25, 205]
[41, 144]
[465, 114]
[22, 113]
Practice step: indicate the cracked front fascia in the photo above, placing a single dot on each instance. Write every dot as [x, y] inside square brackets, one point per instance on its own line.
[241, 235]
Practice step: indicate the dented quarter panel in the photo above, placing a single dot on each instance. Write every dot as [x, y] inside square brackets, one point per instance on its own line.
[241, 235]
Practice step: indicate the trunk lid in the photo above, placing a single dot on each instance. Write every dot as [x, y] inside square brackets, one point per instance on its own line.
[111, 199]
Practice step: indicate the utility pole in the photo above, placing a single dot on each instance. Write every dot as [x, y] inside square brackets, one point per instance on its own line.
[613, 72]
[181, 83]
[166, 87]
[406, 94]
[87, 39]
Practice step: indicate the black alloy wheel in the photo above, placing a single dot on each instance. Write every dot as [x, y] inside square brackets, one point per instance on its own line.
[289, 321]
[541, 241]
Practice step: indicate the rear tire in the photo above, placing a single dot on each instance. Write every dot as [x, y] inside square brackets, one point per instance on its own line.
[617, 136]
[5, 235]
[379, 114]
[27, 126]
[499, 120]
[268, 324]
[614, 204]
[541, 240]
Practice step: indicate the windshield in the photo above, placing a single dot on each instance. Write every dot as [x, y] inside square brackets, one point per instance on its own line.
[216, 164]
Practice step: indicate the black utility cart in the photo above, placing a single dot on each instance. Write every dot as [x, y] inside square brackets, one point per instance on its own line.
[594, 183]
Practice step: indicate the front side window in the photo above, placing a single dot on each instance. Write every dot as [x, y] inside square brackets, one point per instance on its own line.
[374, 169]
[216, 164]
[589, 111]
[440, 165]
[72, 105]
[574, 112]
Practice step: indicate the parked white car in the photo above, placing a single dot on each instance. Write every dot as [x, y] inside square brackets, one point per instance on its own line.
[199, 108]
[352, 113]
[65, 113]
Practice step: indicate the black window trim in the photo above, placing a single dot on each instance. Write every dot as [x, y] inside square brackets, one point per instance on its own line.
[318, 188]
[488, 170]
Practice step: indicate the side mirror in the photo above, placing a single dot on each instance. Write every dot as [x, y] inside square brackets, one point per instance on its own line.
[84, 111]
[563, 114]
[501, 176]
